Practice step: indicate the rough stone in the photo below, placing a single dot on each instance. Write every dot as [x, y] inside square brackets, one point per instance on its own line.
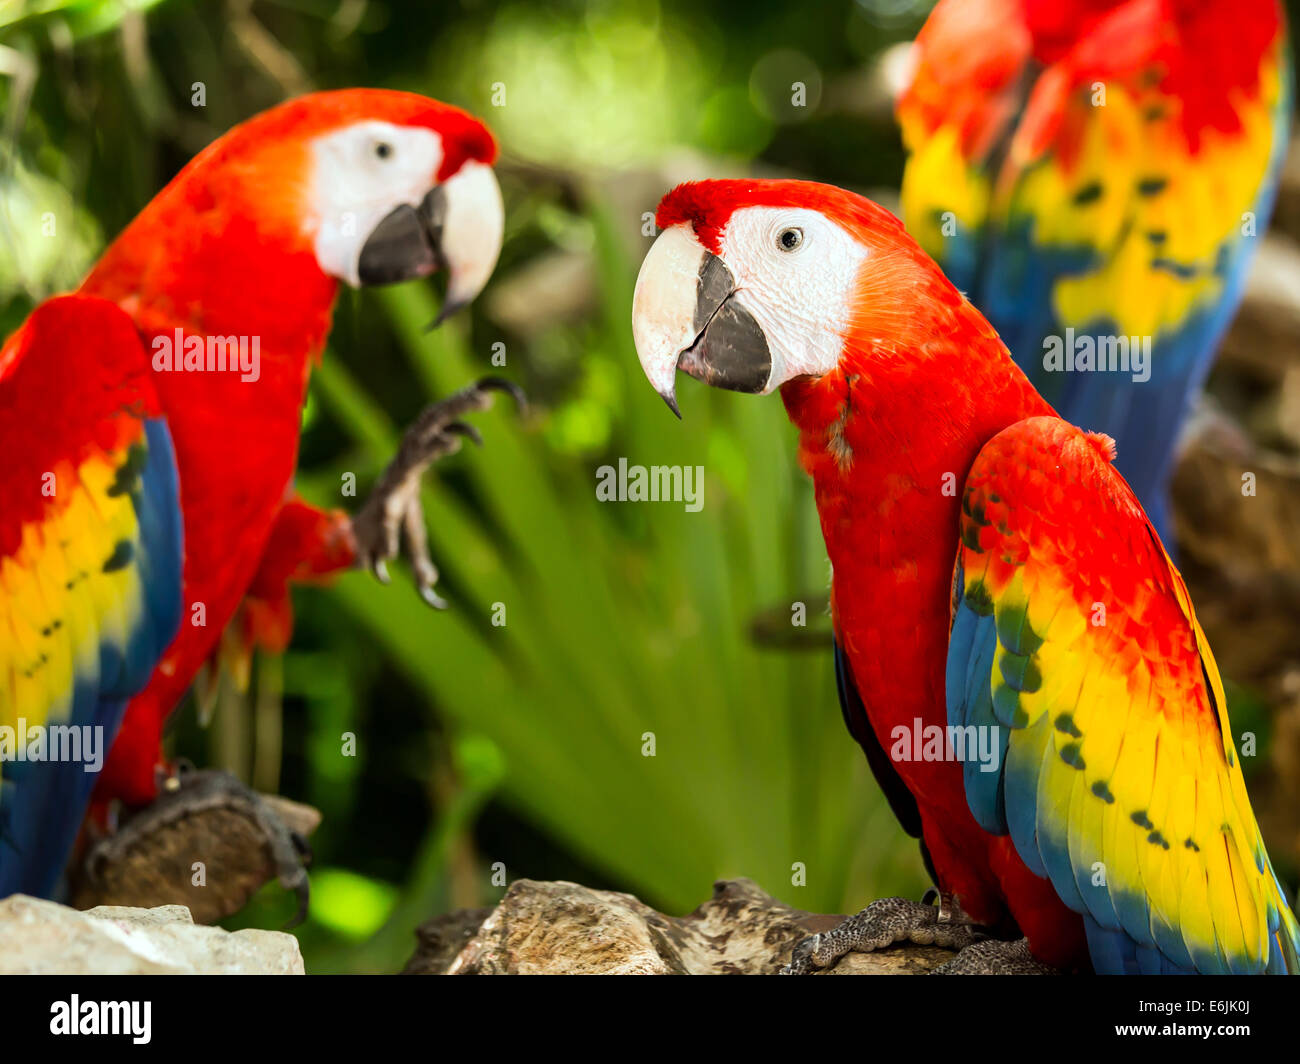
[44, 938]
[563, 928]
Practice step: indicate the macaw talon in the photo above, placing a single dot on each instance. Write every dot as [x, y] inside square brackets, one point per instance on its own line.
[432, 599]
[500, 384]
[881, 924]
[464, 428]
[994, 956]
[293, 876]
[945, 901]
[415, 537]
[192, 792]
[391, 523]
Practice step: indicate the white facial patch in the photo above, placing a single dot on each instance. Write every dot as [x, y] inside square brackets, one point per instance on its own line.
[360, 174]
[801, 297]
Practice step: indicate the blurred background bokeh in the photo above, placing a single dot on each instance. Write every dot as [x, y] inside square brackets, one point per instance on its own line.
[647, 717]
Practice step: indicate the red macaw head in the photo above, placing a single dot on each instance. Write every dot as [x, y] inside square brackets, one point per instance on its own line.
[375, 186]
[401, 186]
[755, 283]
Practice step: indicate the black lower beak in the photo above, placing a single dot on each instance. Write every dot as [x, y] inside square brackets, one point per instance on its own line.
[730, 350]
[406, 244]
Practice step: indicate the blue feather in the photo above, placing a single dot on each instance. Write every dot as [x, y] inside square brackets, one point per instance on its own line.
[970, 661]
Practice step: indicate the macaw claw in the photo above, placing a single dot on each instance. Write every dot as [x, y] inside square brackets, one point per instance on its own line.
[160, 827]
[391, 523]
[883, 923]
[994, 956]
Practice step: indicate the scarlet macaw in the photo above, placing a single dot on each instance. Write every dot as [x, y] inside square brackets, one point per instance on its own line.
[1095, 176]
[996, 586]
[149, 457]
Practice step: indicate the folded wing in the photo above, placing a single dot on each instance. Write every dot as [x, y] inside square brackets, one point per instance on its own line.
[90, 567]
[1074, 637]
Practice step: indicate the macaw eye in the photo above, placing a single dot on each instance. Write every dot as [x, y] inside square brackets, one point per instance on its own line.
[383, 149]
[790, 239]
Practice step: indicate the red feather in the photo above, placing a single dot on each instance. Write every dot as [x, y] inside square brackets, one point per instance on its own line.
[223, 250]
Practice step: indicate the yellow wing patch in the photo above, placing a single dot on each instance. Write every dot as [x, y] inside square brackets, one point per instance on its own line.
[68, 589]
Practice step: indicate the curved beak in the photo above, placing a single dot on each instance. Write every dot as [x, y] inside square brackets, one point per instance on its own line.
[457, 226]
[686, 315]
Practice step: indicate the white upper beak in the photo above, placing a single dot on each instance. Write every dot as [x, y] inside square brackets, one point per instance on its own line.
[663, 306]
[472, 232]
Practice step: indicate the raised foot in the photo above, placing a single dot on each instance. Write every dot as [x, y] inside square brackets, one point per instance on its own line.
[192, 793]
[882, 923]
[392, 520]
[995, 957]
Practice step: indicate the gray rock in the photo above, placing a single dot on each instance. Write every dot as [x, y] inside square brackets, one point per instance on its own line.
[564, 928]
[43, 938]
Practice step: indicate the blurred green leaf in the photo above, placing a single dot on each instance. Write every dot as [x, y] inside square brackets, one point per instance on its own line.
[82, 18]
[351, 905]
